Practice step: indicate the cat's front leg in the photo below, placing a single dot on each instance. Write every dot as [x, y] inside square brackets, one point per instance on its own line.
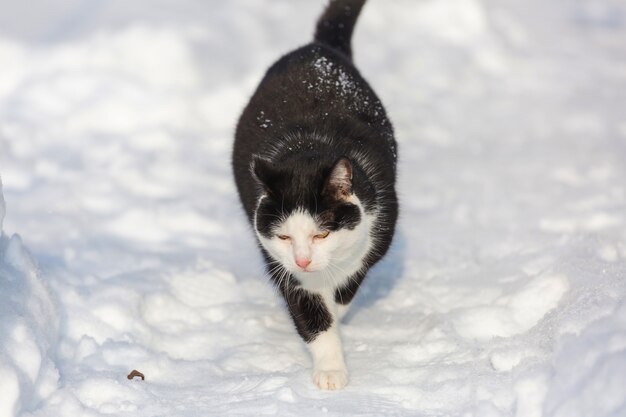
[344, 295]
[315, 317]
[329, 368]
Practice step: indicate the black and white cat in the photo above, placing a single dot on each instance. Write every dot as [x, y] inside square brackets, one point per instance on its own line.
[315, 165]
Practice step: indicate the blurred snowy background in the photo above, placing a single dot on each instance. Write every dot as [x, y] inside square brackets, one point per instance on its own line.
[503, 294]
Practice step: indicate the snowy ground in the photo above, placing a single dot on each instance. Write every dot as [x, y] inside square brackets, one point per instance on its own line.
[504, 291]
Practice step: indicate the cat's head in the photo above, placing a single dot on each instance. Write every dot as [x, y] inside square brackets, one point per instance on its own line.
[308, 218]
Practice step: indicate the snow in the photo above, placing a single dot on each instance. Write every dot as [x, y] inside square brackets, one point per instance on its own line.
[28, 330]
[503, 294]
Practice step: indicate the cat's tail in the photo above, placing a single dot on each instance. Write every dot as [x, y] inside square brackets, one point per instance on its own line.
[335, 26]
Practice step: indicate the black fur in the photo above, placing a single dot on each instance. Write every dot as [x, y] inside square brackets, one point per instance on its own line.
[345, 294]
[312, 111]
[300, 184]
[308, 312]
[335, 26]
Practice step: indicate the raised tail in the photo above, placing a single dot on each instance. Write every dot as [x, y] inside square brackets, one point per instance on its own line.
[335, 26]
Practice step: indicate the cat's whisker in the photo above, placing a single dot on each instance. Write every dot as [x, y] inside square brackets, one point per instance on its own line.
[276, 265]
[280, 274]
[326, 276]
[335, 284]
[349, 278]
[271, 215]
[343, 273]
[339, 268]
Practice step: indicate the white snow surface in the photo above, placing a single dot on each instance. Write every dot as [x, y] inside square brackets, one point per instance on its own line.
[503, 294]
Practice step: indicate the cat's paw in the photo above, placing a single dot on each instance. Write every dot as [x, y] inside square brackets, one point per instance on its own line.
[330, 380]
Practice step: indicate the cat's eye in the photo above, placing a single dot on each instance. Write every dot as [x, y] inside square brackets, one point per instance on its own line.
[322, 235]
[283, 237]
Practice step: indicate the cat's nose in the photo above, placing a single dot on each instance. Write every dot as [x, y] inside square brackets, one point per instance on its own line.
[303, 262]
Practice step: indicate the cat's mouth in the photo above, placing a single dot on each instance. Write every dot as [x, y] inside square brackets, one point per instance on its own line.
[307, 269]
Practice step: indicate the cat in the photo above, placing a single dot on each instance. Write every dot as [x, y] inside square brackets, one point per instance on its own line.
[314, 161]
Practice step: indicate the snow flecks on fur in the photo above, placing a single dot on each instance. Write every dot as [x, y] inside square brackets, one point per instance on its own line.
[332, 77]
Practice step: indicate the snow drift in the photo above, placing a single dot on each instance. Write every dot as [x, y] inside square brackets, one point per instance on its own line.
[28, 329]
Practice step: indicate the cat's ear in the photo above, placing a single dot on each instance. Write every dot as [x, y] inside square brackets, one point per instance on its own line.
[264, 172]
[339, 181]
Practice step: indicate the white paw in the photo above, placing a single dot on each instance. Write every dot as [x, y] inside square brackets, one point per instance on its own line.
[331, 380]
